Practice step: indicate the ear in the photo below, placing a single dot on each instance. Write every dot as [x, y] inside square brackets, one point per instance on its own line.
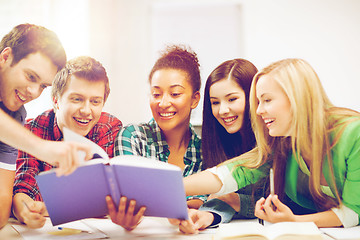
[55, 103]
[195, 99]
[6, 55]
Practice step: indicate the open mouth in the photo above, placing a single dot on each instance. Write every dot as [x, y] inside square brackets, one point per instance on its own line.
[20, 96]
[82, 120]
[167, 114]
[268, 122]
[230, 119]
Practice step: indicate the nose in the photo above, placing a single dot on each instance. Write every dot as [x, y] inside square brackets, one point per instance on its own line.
[85, 108]
[34, 91]
[259, 109]
[165, 101]
[223, 109]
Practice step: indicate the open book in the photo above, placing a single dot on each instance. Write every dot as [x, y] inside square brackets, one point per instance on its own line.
[276, 231]
[154, 184]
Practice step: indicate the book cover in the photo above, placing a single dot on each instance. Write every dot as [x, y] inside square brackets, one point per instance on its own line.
[154, 184]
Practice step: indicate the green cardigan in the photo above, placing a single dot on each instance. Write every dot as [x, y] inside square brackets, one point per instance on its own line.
[346, 162]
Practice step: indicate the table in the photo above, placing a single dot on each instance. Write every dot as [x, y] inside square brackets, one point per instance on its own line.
[150, 228]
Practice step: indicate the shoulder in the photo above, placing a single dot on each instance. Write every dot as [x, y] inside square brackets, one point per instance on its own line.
[195, 138]
[42, 121]
[351, 129]
[107, 123]
[133, 130]
[109, 120]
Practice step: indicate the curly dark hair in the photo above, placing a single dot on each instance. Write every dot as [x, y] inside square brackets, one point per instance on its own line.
[182, 58]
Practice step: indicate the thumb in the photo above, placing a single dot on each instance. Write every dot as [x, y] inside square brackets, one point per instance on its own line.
[174, 221]
[278, 204]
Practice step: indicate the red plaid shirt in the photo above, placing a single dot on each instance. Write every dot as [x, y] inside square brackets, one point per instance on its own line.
[45, 126]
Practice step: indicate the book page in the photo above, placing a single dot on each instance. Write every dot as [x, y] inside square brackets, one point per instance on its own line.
[70, 136]
[73, 230]
[253, 230]
[343, 233]
[246, 230]
[139, 161]
[305, 230]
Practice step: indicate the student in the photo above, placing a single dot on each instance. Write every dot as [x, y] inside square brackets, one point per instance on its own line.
[226, 133]
[79, 93]
[169, 137]
[30, 56]
[313, 147]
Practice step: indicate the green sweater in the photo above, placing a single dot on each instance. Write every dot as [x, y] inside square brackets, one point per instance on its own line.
[346, 162]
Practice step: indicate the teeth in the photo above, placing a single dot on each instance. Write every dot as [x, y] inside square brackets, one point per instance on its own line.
[84, 121]
[268, 121]
[22, 98]
[227, 120]
[167, 114]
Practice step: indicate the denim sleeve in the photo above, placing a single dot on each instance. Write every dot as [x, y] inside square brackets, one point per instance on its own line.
[224, 213]
[219, 207]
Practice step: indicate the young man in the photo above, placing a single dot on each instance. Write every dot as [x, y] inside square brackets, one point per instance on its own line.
[79, 93]
[30, 56]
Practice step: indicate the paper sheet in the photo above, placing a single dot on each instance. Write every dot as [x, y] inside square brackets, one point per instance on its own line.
[69, 231]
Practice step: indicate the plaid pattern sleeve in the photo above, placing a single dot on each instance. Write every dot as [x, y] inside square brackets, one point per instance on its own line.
[105, 131]
[132, 140]
[27, 166]
[45, 126]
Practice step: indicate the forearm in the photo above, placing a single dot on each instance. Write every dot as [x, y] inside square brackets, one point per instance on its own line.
[194, 203]
[19, 201]
[321, 219]
[14, 134]
[202, 183]
[6, 182]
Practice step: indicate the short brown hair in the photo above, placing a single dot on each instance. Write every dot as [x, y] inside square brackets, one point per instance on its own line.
[25, 39]
[82, 67]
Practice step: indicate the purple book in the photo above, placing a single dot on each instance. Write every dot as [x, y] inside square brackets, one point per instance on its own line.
[154, 184]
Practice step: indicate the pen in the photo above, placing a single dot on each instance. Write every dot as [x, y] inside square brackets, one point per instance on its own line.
[261, 221]
[272, 187]
[272, 191]
[73, 230]
[27, 206]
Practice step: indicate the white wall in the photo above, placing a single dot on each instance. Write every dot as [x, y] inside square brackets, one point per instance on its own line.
[326, 33]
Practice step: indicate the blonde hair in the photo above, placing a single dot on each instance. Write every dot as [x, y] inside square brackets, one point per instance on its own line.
[314, 117]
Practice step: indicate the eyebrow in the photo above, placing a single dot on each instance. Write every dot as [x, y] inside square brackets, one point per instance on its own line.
[262, 95]
[172, 86]
[229, 94]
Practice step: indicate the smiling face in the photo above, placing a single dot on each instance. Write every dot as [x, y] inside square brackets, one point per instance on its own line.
[227, 100]
[172, 98]
[274, 106]
[24, 81]
[80, 106]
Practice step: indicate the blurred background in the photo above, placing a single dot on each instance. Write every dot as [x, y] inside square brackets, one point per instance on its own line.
[127, 35]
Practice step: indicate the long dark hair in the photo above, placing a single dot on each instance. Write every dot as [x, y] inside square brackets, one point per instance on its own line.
[217, 144]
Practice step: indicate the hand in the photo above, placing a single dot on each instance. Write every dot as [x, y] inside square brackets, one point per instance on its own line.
[125, 217]
[33, 213]
[64, 155]
[232, 199]
[194, 203]
[198, 220]
[273, 210]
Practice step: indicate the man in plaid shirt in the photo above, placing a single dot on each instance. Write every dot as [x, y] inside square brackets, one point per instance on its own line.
[79, 93]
